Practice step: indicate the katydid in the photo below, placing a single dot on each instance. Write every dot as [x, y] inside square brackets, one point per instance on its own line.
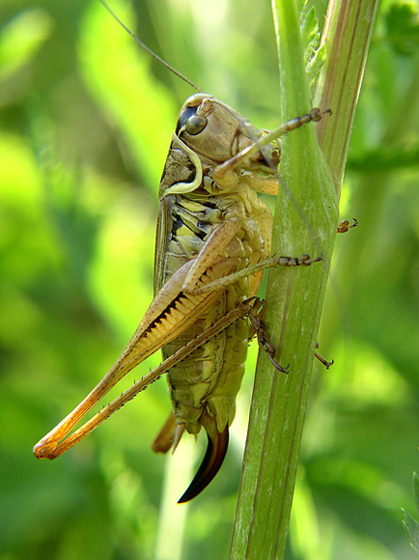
[212, 245]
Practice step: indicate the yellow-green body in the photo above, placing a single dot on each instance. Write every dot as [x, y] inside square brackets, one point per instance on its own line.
[193, 204]
[210, 378]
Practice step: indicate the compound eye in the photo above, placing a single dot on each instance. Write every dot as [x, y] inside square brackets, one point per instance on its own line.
[195, 124]
[190, 122]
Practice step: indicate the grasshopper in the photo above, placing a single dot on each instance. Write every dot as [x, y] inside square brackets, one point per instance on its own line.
[212, 246]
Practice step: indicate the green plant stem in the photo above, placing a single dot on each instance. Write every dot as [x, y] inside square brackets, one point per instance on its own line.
[306, 217]
[347, 36]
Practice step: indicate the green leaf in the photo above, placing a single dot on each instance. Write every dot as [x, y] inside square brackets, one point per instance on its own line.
[314, 52]
[21, 38]
[402, 25]
[138, 104]
[415, 484]
[410, 524]
[412, 530]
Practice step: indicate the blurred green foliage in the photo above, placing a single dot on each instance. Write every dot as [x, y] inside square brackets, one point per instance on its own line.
[410, 523]
[86, 120]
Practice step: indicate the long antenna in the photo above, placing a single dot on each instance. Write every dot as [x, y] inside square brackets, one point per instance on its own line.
[150, 52]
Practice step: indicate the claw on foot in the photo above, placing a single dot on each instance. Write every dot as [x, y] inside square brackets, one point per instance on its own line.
[323, 360]
[345, 226]
[259, 328]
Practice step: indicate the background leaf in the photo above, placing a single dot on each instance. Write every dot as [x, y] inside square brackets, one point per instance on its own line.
[410, 523]
[78, 204]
